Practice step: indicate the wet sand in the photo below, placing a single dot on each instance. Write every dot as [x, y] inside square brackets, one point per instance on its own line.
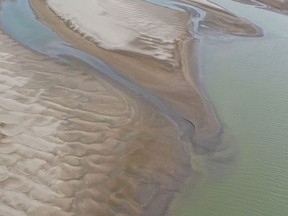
[73, 144]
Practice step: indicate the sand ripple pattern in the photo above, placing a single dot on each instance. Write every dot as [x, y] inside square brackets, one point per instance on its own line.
[71, 144]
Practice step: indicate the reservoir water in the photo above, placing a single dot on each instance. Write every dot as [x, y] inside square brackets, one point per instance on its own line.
[246, 80]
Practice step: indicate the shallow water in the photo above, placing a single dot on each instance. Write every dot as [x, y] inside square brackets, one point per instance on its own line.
[250, 95]
[246, 80]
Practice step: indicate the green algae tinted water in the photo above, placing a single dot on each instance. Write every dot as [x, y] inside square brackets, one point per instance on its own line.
[247, 81]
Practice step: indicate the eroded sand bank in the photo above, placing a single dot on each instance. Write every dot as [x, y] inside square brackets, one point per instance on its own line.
[72, 144]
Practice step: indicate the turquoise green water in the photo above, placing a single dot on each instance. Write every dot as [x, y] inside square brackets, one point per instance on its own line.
[247, 81]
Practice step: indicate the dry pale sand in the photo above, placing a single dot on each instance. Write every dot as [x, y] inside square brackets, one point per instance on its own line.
[73, 144]
[121, 25]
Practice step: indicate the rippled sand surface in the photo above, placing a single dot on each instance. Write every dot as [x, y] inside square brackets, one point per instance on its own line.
[75, 143]
[71, 144]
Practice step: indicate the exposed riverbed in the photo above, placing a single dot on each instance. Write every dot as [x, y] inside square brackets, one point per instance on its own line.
[245, 78]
